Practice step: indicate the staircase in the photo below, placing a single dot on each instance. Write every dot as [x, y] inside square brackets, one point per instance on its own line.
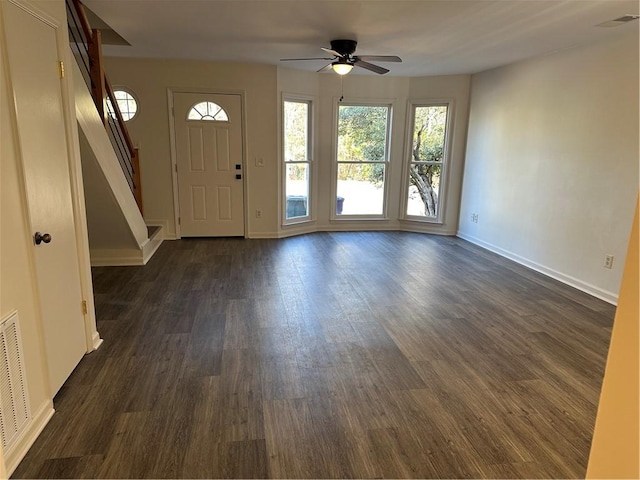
[118, 234]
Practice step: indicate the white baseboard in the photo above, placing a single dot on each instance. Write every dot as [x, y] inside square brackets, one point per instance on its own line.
[96, 341]
[263, 235]
[17, 452]
[127, 257]
[164, 224]
[299, 229]
[592, 290]
[150, 247]
[303, 229]
[116, 258]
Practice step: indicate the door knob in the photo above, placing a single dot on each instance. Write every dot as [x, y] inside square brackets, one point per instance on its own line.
[41, 237]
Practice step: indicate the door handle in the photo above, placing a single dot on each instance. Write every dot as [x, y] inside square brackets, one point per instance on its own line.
[238, 177]
[39, 238]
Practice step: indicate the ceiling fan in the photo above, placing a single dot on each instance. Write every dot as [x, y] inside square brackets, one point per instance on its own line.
[344, 59]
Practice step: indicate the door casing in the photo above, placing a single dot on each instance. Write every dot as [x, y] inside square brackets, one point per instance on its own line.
[69, 229]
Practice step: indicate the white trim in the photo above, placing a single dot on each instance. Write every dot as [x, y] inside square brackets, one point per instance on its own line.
[127, 257]
[96, 341]
[35, 11]
[592, 290]
[446, 159]
[116, 258]
[174, 163]
[163, 224]
[361, 226]
[77, 192]
[15, 454]
[390, 104]
[299, 229]
[311, 161]
[152, 245]
[128, 91]
[264, 235]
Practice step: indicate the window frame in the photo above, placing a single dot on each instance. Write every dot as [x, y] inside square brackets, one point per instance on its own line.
[310, 102]
[446, 160]
[389, 105]
[127, 90]
[204, 118]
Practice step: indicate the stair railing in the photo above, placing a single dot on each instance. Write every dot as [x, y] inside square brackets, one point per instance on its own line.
[86, 45]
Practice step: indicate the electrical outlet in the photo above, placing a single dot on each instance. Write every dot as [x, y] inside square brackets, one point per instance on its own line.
[258, 213]
[608, 261]
[259, 162]
[474, 217]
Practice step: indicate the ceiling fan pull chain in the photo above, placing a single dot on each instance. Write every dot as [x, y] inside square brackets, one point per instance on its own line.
[341, 88]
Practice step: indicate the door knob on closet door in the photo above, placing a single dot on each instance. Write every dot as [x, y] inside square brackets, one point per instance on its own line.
[41, 237]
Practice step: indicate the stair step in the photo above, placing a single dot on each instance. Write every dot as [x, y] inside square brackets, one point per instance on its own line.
[153, 230]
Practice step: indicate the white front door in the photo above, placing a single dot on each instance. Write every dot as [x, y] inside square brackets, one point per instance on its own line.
[208, 139]
[34, 70]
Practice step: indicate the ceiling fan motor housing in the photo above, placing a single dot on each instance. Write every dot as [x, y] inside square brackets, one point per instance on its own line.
[344, 47]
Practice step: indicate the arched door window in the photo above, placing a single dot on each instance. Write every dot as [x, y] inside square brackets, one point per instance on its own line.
[208, 111]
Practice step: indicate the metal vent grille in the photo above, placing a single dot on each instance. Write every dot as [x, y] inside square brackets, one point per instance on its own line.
[14, 404]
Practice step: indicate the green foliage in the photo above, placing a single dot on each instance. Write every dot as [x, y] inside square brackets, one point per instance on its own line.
[362, 136]
[362, 133]
[428, 146]
[363, 172]
[297, 171]
[296, 115]
[429, 133]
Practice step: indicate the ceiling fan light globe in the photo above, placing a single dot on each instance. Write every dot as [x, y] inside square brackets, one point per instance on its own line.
[341, 68]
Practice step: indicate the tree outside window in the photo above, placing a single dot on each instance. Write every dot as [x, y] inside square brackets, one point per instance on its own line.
[428, 156]
[362, 158]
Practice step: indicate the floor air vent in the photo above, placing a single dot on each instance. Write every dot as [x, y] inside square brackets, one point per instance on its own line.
[14, 404]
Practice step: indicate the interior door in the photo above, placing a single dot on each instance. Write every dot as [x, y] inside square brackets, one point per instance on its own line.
[34, 71]
[208, 139]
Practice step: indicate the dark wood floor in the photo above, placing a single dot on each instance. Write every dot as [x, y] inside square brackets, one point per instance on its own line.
[330, 355]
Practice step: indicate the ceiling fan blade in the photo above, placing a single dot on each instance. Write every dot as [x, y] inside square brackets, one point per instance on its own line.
[370, 66]
[380, 58]
[309, 58]
[326, 68]
[332, 52]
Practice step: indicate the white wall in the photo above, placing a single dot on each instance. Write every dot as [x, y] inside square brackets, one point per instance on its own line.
[263, 87]
[326, 89]
[615, 448]
[552, 162]
[149, 79]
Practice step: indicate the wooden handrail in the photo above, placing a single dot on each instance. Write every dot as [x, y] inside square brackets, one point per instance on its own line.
[137, 191]
[84, 21]
[102, 92]
[119, 118]
[98, 77]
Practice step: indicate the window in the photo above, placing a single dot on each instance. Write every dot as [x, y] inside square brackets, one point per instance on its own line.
[427, 162]
[208, 111]
[126, 103]
[362, 158]
[297, 158]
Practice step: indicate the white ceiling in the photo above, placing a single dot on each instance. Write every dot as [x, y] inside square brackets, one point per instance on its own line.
[433, 37]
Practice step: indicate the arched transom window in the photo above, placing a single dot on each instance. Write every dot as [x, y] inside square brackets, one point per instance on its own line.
[208, 111]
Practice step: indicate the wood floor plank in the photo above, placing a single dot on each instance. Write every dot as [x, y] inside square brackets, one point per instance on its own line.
[332, 355]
